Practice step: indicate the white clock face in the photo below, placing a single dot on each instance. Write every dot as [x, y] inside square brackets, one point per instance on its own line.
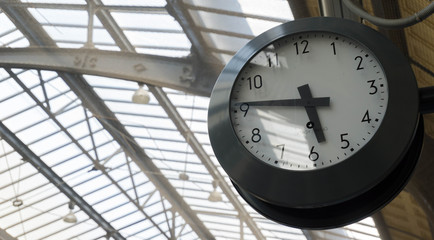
[309, 101]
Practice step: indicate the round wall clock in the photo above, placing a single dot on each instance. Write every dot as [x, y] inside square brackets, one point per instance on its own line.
[316, 122]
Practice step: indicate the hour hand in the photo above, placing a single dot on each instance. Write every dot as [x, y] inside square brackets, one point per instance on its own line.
[302, 102]
[312, 114]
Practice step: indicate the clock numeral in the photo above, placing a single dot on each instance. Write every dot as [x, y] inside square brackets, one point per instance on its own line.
[344, 141]
[244, 108]
[359, 66]
[256, 82]
[305, 43]
[334, 48]
[313, 155]
[366, 117]
[282, 146]
[256, 137]
[373, 87]
[270, 62]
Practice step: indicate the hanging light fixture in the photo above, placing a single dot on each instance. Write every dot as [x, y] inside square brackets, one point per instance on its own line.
[17, 202]
[141, 96]
[215, 196]
[70, 217]
[183, 176]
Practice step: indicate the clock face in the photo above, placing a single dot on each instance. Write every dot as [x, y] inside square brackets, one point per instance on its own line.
[308, 101]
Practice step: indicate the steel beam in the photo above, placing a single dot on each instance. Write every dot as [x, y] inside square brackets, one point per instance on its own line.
[66, 6]
[5, 236]
[57, 181]
[150, 69]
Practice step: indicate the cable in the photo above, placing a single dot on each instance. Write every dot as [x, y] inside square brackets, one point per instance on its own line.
[391, 23]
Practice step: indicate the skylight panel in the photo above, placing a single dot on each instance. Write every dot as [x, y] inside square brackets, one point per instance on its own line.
[118, 84]
[106, 198]
[172, 41]
[53, 227]
[49, 143]
[11, 189]
[8, 88]
[71, 166]
[13, 106]
[181, 52]
[147, 22]
[27, 118]
[6, 25]
[18, 43]
[155, 3]
[147, 121]
[82, 233]
[81, 177]
[79, 130]
[276, 9]
[65, 231]
[95, 182]
[99, 46]
[209, 21]
[60, 16]
[224, 42]
[11, 38]
[71, 116]
[38, 131]
[67, 34]
[128, 220]
[70, 45]
[43, 192]
[58, 156]
[56, 1]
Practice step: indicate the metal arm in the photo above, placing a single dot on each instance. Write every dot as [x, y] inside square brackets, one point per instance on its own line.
[426, 100]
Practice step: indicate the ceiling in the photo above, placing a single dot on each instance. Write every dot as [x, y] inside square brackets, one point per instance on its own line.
[71, 133]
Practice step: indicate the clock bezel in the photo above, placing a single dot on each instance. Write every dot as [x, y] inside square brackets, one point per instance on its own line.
[337, 183]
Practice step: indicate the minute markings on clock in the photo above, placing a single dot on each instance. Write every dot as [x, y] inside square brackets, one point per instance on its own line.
[263, 59]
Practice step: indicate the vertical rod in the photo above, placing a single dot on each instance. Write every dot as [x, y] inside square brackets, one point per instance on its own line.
[91, 13]
[426, 100]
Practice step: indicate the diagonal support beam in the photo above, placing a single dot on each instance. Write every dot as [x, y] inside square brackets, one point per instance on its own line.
[45, 170]
[5, 236]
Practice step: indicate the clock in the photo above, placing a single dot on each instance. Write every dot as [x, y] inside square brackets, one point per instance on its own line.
[293, 109]
[316, 122]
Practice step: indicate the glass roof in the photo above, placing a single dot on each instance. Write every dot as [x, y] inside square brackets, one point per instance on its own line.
[137, 171]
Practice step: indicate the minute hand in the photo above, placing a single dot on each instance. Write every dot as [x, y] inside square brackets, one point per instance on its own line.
[304, 102]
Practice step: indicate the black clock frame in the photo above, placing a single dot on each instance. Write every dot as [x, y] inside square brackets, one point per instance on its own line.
[265, 186]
